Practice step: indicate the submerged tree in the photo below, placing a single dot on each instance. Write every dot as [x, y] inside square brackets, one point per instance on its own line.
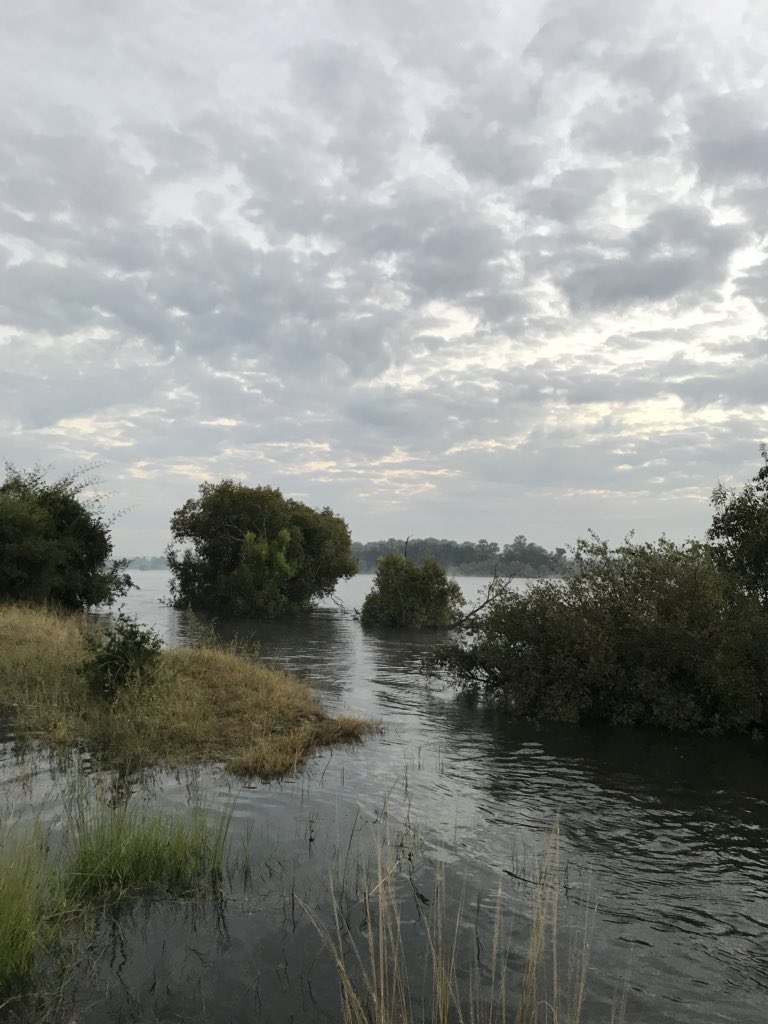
[407, 594]
[642, 634]
[739, 530]
[254, 552]
[56, 545]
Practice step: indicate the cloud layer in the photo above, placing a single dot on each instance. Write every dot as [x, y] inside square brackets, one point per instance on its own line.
[452, 269]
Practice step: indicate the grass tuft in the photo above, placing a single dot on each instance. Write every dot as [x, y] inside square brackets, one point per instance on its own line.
[29, 904]
[49, 890]
[120, 852]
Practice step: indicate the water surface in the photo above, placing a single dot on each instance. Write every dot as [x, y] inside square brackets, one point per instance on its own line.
[666, 835]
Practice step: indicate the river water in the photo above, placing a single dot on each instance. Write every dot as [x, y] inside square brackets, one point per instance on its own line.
[663, 844]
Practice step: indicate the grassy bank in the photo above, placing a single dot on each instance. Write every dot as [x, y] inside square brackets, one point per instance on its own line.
[203, 705]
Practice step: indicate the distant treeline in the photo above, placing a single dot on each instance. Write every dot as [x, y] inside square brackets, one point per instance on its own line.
[467, 558]
[148, 562]
[459, 558]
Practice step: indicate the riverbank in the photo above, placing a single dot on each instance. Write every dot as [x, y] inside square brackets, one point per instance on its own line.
[203, 705]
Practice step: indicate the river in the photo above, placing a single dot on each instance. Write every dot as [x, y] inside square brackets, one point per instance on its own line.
[663, 839]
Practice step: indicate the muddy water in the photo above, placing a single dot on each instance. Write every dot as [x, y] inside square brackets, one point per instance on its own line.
[663, 840]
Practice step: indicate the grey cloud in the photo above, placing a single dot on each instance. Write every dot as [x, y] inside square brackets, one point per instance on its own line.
[570, 195]
[497, 148]
[624, 128]
[731, 138]
[754, 285]
[67, 171]
[360, 104]
[678, 250]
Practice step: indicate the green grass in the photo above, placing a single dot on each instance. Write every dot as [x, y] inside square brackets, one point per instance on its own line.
[31, 904]
[105, 855]
[116, 853]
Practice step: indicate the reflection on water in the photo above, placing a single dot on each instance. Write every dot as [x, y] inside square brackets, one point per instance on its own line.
[670, 834]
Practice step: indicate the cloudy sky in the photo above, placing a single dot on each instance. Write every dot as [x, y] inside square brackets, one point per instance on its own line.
[467, 268]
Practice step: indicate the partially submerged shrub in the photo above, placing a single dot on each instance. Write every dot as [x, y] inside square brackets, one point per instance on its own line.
[252, 552]
[125, 652]
[654, 634]
[407, 594]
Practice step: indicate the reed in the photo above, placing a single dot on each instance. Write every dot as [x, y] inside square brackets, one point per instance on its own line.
[381, 981]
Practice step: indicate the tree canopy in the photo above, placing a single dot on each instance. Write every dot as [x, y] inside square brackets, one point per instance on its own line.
[739, 530]
[253, 552]
[405, 593]
[56, 545]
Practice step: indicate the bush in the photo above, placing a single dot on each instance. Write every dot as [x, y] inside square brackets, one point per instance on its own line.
[643, 634]
[407, 594]
[124, 653]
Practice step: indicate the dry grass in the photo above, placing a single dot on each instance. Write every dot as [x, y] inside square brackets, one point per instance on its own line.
[41, 656]
[204, 705]
[381, 981]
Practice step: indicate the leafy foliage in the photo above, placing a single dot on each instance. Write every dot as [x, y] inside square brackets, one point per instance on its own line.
[254, 552]
[407, 594]
[467, 558]
[55, 545]
[643, 634]
[126, 652]
[739, 531]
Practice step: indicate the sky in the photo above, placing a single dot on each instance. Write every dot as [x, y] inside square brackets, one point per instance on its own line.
[461, 269]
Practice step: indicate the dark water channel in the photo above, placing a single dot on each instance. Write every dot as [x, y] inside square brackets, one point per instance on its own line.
[666, 838]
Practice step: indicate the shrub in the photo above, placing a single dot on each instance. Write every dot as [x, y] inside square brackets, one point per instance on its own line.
[643, 634]
[125, 652]
[407, 594]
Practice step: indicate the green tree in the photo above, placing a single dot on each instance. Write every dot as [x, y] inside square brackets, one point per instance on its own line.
[252, 552]
[643, 634]
[739, 530]
[55, 545]
[407, 594]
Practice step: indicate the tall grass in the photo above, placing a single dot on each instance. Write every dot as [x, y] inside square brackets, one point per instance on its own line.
[51, 882]
[203, 705]
[41, 682]
[117, 852]
[382, 982]
[31, 905]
